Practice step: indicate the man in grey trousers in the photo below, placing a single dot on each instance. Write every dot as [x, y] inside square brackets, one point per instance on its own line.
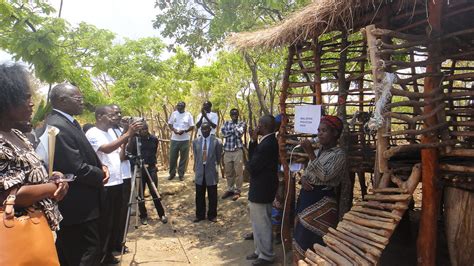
[180, 123]
[263, 166]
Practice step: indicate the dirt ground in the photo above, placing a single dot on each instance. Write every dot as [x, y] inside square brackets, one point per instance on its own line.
[183, 242]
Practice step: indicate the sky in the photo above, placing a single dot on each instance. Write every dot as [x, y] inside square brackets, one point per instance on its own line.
[131, 19]
[126, 18]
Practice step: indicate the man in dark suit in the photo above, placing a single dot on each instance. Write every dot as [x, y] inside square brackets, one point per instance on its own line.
[78, 240]
[263, 166]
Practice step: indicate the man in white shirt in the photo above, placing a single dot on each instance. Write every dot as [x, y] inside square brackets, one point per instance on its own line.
[208, 116]
[180, 123]
[116, 131]
[107, 149]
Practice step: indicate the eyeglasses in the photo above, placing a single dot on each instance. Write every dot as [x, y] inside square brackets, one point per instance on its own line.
[77, 98]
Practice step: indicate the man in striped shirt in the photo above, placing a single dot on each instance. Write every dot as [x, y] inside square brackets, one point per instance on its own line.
[232, 132]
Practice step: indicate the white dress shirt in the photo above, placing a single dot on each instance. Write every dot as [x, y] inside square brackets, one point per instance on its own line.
[214, 119]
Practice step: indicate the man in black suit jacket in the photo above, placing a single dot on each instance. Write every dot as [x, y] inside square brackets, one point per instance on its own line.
[78, 241]
[263, 166]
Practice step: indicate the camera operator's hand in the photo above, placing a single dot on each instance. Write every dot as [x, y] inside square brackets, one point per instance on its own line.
[134, 128]
[125, 125]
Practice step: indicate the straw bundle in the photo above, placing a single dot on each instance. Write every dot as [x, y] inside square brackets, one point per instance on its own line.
[318, 17]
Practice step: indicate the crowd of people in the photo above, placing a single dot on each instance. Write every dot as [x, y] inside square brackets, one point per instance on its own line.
[89, 212]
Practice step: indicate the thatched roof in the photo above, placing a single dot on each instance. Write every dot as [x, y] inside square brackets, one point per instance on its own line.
[318, 17]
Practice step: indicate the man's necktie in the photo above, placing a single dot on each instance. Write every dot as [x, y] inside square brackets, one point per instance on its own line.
[204, 152]
[77, 124]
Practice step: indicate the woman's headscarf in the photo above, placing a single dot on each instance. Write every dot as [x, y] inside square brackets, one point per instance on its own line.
[334, 122]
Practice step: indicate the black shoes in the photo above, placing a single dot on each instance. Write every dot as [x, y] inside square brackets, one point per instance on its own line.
[108, 260]
[261, 262]
[214, 219]
[197, 220]
[252, 256]
[181, 178]
[227, 194]
[144, 220]
[249, 236]
[164, 219]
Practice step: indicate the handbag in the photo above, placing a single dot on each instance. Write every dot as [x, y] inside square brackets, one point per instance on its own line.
[25, 240]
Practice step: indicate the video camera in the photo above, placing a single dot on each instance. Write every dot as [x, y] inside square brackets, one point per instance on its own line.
[133, 119]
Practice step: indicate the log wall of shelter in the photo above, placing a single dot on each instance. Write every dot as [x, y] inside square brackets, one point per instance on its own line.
[315, 74]
[335, 70]
[453, 99]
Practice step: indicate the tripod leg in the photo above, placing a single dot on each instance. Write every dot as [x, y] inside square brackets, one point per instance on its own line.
[152, 183]
[140, 197]
[129, 210]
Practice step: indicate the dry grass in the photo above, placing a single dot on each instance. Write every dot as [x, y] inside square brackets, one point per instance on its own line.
[317, 18]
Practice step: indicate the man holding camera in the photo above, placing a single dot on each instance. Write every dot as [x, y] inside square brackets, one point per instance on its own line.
[148, 149]
[107, 149]
[180, 123]
[119, 127]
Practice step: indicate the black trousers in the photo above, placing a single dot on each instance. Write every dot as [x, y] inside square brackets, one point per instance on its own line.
[79, 244]
[110, 218]
[126, 191]
[201, 199]
[156, 200]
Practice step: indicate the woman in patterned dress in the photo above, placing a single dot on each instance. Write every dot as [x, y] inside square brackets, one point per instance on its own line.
[20, 167]
[317, 205]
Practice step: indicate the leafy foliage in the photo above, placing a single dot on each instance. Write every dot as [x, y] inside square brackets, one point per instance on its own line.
[202, 25]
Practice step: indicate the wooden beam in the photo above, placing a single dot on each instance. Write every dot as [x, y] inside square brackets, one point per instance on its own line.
[427, 238]
[318, 99]
[287, 220]
[381, 164]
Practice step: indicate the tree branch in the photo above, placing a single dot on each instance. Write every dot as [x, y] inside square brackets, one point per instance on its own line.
[253, 68]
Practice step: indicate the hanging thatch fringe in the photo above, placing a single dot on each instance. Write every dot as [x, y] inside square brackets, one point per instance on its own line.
[318, 17]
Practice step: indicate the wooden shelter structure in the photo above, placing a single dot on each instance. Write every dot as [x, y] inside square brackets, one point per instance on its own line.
[401, 75]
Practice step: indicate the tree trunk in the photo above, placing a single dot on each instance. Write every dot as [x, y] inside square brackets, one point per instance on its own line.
[253, 68]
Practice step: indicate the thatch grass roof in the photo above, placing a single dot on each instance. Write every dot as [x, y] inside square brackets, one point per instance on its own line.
[318, 17]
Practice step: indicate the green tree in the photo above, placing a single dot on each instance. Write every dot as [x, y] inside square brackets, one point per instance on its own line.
[56, 51]
[201, 26]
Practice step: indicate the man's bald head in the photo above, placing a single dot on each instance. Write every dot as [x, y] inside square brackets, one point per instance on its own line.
[67, 98]
[266, 124]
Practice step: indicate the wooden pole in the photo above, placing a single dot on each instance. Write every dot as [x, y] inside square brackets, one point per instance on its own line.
[343, 86]
[289, 183]
[377, 76]
[317, 72]
[427, 238]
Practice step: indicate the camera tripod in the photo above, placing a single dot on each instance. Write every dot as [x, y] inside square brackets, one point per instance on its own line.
[137, 189]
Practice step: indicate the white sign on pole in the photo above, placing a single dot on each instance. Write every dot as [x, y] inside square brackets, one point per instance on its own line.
[307, 118]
